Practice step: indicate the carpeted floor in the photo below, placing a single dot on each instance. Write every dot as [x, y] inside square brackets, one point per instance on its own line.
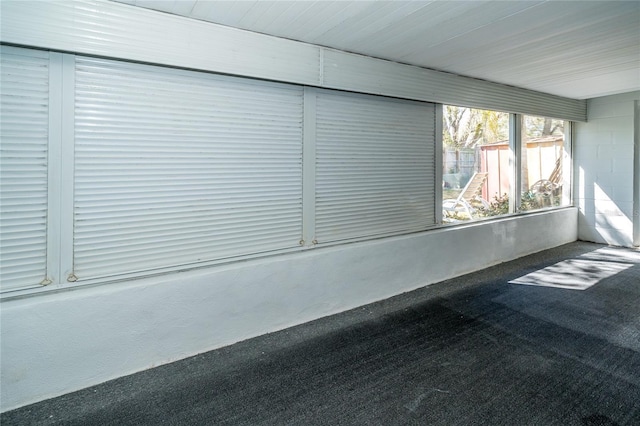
[558, 345]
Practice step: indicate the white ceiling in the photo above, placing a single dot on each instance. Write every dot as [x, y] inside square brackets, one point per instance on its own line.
[577, 49]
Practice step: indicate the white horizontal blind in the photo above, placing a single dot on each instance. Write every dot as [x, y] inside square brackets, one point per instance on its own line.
[24, 112]
[375, 166]
[176, 167]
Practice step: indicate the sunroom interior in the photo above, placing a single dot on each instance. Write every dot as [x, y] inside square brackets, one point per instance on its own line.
[181, 176]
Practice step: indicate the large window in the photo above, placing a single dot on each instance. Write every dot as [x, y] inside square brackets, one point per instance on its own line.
[476, 169]
[478, 174]
[542, 169]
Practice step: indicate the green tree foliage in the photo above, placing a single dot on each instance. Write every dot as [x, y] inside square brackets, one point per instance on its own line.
[537, 127]
[468, 127]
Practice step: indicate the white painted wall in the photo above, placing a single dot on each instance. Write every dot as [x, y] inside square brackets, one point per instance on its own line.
[59, 342]
[604, 170]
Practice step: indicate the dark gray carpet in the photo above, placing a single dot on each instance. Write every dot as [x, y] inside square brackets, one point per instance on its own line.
[469, 351]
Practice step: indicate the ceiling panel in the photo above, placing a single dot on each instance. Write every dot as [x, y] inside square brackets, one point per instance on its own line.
[577, 49]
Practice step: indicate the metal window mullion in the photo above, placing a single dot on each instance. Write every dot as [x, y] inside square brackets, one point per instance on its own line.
[67, 161]
[515, 161]
[309, 168]
[54, 169]
[438, 163]
[567, 164]
[636, 173]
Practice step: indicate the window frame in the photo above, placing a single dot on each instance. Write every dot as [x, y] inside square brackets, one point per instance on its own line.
[516, 145]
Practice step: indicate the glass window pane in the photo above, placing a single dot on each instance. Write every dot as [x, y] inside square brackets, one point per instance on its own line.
[476, 166]
[542, 154]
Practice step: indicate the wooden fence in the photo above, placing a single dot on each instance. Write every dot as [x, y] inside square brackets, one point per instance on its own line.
[538, 163]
